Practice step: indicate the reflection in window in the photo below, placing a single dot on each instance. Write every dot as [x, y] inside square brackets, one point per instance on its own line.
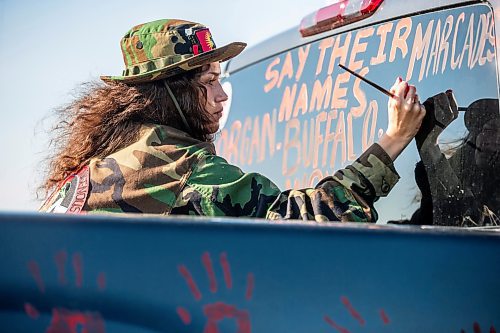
[459, 185]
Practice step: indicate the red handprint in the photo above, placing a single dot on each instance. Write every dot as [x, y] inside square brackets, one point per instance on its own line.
[477, 329]
[216, 312]
[64, 320]
[355, 314]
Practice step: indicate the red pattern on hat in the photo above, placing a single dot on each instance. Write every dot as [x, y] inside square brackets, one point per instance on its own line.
[205, 39]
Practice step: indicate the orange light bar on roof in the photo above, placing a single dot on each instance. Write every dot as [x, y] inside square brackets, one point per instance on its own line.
[338, 14]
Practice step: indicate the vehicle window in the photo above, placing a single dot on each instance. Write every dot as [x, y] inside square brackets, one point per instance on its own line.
[297, 117]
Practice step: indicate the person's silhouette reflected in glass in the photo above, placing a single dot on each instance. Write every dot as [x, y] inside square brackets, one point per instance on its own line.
[460, 190]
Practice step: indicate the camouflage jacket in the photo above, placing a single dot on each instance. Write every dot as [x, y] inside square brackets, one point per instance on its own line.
[168, 172]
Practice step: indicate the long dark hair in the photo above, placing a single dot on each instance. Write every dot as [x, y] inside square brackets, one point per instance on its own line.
[105, 118]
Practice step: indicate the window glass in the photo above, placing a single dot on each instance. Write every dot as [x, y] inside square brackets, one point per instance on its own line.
[297, 117]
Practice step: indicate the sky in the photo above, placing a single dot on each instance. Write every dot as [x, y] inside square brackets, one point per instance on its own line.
[48, 48]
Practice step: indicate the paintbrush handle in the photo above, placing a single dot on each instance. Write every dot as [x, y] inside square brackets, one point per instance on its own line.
[374, 85]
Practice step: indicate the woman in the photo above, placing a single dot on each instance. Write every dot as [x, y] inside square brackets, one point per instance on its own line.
[142, 143]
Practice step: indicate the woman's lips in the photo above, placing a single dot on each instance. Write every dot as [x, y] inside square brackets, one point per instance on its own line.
[218, 114]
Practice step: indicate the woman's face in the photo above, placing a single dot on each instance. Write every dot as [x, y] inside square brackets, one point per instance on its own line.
[216, 96]
[488, 144]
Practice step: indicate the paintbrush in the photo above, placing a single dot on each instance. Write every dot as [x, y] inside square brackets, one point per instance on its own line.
[374, 85]
[379, 88]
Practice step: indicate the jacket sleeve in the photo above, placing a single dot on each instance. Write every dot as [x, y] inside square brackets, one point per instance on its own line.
[217, 188]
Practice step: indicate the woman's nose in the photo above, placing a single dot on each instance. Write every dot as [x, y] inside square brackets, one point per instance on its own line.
[221, 95]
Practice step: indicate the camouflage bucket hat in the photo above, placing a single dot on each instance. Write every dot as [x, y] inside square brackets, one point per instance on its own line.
[163, 48]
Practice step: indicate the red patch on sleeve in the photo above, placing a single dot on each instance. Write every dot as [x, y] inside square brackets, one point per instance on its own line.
[81, 193]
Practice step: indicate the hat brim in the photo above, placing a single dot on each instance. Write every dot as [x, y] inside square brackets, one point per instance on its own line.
[217, 55]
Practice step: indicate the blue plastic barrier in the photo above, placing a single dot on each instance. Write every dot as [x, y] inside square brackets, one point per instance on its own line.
[96, 274]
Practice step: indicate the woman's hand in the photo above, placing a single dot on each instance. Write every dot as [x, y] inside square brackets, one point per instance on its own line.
[405, 112]
[405, 118]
